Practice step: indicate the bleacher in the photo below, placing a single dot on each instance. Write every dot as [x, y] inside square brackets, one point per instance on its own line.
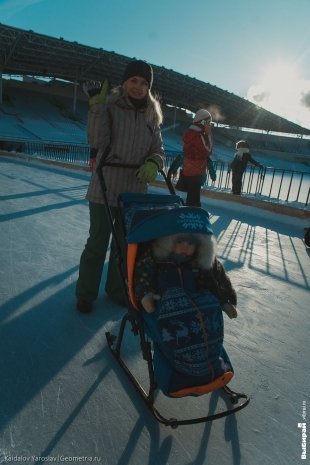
[38, 114]
[36, 111]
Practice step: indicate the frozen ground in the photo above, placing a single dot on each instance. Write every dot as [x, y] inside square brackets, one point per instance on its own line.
[63, 399]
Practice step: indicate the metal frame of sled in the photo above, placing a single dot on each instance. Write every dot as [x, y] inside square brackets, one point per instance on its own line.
[237, 399]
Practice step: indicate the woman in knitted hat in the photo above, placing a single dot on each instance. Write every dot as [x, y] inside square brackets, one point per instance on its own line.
[197, 149]
[130, 153]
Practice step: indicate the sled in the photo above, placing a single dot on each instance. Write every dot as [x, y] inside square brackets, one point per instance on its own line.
[141, 215]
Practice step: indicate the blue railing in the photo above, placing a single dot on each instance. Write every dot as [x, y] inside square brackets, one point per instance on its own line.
[273, 184]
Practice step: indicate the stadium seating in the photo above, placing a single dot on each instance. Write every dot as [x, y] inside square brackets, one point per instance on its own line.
[43, 112]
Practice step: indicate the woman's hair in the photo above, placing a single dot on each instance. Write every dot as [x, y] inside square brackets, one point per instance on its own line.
[154, 114]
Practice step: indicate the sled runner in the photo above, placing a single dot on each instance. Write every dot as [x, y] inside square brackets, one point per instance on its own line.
[145, 217]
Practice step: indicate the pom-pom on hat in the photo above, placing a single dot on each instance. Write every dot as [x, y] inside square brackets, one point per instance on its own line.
[139, 68]
[202, 115]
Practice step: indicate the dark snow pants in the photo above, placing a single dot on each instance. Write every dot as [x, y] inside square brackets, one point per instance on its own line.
[93, 256]
[236, 182]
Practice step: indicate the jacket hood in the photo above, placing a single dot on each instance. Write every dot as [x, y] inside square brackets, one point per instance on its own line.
[206, 248]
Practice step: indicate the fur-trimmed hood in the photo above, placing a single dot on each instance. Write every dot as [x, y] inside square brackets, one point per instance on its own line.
[162, 248]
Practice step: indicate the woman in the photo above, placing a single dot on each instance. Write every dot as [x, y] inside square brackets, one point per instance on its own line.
[127, 136]
[197, 149]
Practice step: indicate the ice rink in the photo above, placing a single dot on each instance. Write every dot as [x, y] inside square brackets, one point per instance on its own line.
[64, 399]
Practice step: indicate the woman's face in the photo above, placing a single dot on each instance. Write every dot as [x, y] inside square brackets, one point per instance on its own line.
[136, 87]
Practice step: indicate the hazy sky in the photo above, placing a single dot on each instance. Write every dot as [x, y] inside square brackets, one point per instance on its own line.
[259, 50]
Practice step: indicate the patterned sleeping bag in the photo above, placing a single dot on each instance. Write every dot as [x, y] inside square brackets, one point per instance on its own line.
[187, 329]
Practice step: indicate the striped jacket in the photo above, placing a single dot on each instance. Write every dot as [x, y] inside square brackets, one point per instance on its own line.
[124, 135]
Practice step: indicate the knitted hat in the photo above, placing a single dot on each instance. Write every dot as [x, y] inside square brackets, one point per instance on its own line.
[139, 68]
[202, 115]
[242, 144]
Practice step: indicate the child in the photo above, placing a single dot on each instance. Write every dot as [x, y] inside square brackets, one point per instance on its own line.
[192, 254]
[130, 151]
[239, 164]
[183, 286]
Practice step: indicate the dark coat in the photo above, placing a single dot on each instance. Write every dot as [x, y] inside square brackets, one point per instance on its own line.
[202, 271]
[240, 161]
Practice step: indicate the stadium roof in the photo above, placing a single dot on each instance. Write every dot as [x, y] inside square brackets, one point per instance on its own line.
[28, 53]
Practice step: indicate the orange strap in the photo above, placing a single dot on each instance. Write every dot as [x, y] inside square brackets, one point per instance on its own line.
[204, 388]
[131, 260]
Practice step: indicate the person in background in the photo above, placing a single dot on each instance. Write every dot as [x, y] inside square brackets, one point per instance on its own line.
[197, 150]
[96, 93]
[130, 152]
[239, 164]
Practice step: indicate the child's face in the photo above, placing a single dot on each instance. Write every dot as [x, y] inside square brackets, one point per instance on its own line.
[183, 247]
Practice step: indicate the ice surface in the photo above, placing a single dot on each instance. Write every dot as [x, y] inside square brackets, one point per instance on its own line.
[64, 399]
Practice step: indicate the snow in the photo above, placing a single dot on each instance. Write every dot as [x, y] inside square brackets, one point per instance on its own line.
[64, 398]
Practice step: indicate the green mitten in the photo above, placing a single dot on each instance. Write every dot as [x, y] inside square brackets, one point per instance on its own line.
[148, 171]
[98, 94]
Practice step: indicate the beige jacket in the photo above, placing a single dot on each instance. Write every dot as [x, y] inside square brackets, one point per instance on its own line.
[124, 135]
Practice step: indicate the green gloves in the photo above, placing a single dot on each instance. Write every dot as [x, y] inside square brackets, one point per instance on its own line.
[148, 171]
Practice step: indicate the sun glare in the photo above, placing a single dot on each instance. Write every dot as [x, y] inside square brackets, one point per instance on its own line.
[280, 90]
[279, 74]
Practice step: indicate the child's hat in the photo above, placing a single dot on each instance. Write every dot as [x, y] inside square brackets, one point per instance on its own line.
[242, 144]
[202, 115]
[139, 68]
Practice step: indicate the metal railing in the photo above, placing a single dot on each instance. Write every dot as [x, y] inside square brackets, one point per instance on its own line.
[273, 184]
[270, 184]
[75, 154]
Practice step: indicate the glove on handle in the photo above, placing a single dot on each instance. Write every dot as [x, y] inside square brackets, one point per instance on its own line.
[147, 172]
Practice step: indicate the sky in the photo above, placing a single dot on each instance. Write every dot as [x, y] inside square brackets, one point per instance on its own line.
[257, 50]
[63, 397]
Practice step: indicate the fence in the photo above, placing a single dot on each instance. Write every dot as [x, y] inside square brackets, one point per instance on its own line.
[273, 184]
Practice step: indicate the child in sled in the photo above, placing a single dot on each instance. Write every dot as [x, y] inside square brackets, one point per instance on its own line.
[182, 285]
[192, 252]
